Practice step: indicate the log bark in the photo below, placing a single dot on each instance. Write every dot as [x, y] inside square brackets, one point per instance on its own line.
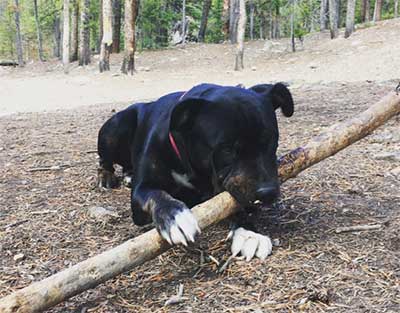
[44, 294]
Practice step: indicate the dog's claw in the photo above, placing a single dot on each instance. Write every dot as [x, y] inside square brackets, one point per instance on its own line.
[182, 228]
[177, 236]
[249, 243]
[250, 247]
[187, 223]
[165, 235]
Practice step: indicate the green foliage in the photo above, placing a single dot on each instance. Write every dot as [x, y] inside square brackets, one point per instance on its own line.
[94, 25]
[156, 19]
[7, 30]
[214, 31]
[47, 10]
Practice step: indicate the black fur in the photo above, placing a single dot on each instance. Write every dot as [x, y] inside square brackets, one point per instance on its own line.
[227, 137]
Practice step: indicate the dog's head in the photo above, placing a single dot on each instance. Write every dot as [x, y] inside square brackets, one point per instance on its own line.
[231, 135]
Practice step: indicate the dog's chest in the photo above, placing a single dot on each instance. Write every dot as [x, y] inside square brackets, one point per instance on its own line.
[182, 180]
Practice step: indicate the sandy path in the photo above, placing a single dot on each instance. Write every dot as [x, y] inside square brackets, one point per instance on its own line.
[370, 54]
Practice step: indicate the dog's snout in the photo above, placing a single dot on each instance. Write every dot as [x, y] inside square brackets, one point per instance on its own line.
[267, 194]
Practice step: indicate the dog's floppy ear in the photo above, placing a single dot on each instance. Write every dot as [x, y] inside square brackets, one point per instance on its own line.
[185, 112]
[278, 94]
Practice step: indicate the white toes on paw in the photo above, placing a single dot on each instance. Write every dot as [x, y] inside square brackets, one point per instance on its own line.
[177, 236]
[183, 230]
[250, 244]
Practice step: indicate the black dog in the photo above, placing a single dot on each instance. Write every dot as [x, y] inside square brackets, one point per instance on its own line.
[186, 147]
[115, 142]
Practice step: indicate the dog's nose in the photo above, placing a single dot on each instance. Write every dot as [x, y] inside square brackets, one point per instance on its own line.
[267, 194]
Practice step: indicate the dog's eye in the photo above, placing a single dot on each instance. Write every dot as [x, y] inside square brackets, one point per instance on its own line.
[225, 156]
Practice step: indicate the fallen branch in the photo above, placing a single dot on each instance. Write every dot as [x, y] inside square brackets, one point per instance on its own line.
[8, 63]
[44, 294]
[358, 228]
[48, 168]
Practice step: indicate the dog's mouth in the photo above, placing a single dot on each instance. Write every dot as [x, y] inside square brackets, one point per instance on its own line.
[244, 202]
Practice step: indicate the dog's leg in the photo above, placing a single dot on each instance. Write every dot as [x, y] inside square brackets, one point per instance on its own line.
[245, 238]
[174, 221]
[127, 176]
[105, 175]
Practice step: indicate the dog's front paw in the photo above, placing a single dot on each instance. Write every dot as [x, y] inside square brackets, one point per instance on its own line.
[249, 243]
[176, 225]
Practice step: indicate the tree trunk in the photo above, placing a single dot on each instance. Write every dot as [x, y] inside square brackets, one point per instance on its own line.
[252, 8]
[74, 31]
[292, 27]
[38, 31]
[105, 49]
[183, 24]
[204, 20]
[363, 10]
[116, 41]
[56, 37]
[18, 38]
[65, 57]
[240, 36]
[367, 10]
[100, 35]
[233, 20]
[84, 34]
[271, 24]
[377, 11]
[261, 17]
[128, 63]
[396, 8]
[136, 251]
[276, 30]
[338, 12]
[311, 6]
[333, 25]
[351, 5]
[323, 15]
[225, 19]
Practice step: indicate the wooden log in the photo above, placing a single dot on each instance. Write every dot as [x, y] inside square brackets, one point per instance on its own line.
[8, 63]
[44, 294]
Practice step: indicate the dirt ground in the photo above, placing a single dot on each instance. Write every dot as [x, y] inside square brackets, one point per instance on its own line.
[48, 168]
[369, 54]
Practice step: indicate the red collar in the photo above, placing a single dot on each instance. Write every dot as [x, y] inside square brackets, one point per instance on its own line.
[174, 145]
[171, 138]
